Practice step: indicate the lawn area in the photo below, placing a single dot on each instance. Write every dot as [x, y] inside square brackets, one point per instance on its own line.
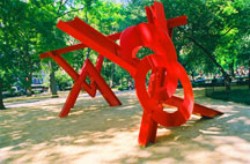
[239, 94]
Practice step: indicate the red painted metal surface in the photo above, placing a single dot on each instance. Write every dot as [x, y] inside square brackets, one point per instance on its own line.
[163, 66]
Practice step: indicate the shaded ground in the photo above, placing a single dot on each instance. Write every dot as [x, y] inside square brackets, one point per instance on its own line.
[31, 132]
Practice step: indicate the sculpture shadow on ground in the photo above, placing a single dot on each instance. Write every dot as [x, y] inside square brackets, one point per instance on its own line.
[94, 132]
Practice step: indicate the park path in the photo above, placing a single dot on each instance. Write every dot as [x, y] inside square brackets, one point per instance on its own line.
[31, 132]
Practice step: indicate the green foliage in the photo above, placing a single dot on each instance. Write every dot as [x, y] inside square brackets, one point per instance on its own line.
[212, 40]
[63, 80]
[215, 39]
[27, 30]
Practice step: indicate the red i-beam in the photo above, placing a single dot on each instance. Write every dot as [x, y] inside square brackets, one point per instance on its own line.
[165, 70]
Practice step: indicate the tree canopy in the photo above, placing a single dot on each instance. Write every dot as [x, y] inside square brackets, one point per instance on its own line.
[215, 40]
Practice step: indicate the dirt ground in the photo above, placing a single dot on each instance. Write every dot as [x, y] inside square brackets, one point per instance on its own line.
[32, 132]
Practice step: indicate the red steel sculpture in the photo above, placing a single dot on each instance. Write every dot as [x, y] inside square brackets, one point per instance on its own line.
[165, 71]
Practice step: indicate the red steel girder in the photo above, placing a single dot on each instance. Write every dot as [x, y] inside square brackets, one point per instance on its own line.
[165, 69]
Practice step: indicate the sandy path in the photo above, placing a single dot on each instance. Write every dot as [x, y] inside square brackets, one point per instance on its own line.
[95, 133]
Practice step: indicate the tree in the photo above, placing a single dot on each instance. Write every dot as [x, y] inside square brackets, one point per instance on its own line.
[26, 28]
[212, 36]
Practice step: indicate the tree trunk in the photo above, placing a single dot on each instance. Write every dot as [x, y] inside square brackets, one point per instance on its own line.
[53, 84]
[192, 75]
[231, 69]
[29, 91]
[231, 74]
[2, 107]
[227, 81]
[28, 84]
[111, 76]
[1, 98]
[249, 73]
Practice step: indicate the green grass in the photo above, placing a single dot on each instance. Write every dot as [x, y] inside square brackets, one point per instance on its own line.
[237, 95]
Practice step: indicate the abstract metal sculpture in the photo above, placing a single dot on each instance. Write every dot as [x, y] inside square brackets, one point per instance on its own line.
[165, 70]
